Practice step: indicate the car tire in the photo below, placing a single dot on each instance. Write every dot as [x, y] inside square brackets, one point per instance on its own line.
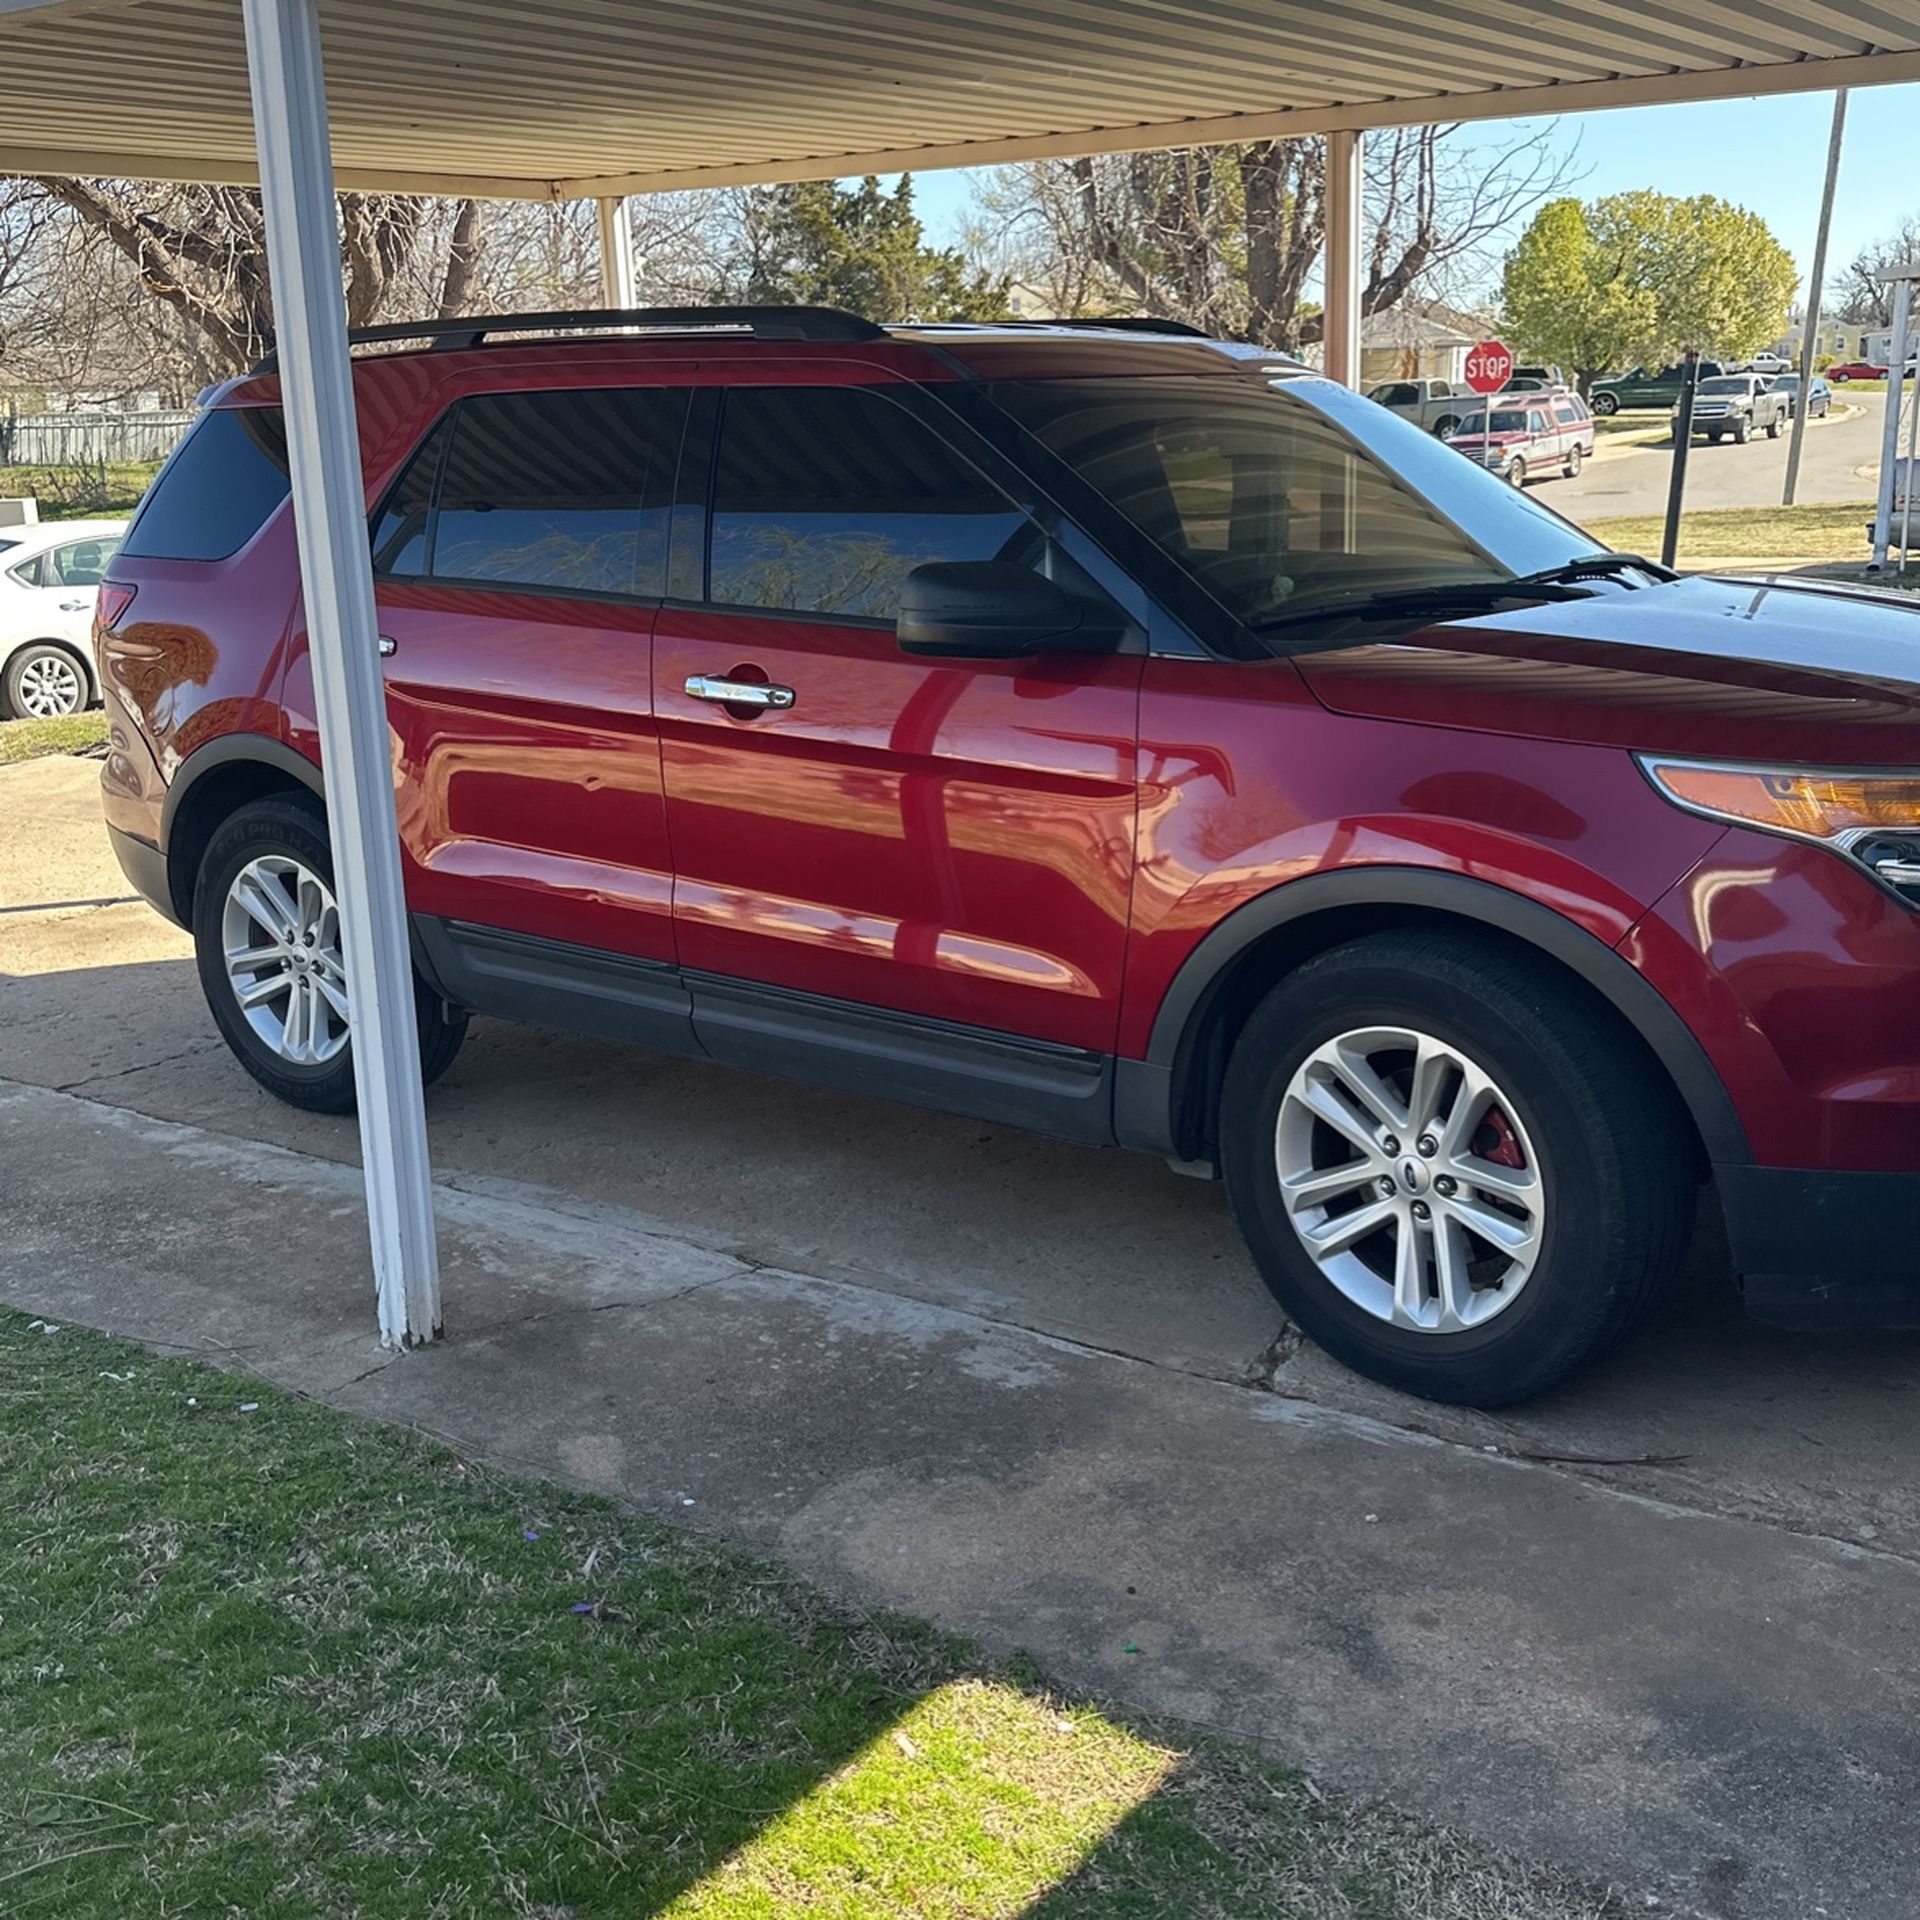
[1516, 472]
[44, 681]
[1575, 455]
[269, 866]
[1742, 433]
[1606, 403]
[1773, 428]
[1446, 426]
[1589, 1122]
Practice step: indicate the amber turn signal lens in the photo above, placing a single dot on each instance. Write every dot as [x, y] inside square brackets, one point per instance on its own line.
[1816, 805]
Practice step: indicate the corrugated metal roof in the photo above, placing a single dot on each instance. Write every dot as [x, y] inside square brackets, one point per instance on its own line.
[605, 96]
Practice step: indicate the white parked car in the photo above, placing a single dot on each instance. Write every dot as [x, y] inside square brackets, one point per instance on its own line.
[1768, 363]
[49, 575]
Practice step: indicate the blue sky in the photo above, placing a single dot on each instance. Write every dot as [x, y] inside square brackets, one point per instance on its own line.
[1767, 155]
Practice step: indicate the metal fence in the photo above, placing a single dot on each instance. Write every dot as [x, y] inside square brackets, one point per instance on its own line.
[74, 439]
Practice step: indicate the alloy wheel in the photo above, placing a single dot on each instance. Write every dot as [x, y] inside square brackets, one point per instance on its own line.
[280, 935]
[50, 686]
[1410, 1180]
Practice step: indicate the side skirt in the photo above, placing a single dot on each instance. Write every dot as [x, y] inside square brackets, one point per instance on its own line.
[982, 1075]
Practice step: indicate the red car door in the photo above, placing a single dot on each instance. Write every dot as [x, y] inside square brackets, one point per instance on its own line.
[519, 562]
[946, 839]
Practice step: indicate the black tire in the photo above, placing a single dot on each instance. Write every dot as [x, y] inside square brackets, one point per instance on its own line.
[1615, 1160]
[1606, 403]
[1446, 426]
[1742, 432]
[294, 826]
[36, 654]
[1773, 428]
[1574, 456]
[1516, 472]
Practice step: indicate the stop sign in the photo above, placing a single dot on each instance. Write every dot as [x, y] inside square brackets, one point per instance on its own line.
[1489, 366]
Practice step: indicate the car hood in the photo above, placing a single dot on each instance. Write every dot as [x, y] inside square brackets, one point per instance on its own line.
[1717, 667]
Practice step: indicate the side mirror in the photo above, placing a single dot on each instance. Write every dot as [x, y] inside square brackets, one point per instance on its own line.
[995, 610]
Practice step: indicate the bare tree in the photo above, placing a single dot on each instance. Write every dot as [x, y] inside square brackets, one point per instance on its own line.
[1863, 299]
[1229, 237]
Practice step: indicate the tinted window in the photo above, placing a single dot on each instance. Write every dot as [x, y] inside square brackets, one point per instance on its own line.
[400, 534]
[569, 490]
[219, 489]
[825, 499]
[1564, 412]
[1401, 395]
[1735, 383]
[1259, 497]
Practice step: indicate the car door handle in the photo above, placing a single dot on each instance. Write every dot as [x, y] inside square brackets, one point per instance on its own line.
[737, 693]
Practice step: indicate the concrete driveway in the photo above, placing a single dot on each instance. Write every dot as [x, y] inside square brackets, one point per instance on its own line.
[1659, 1628]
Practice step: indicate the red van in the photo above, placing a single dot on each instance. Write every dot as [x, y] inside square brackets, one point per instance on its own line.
[1122, 734]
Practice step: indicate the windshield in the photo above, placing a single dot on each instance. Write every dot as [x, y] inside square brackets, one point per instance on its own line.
[1278, 495]
[1732, 383]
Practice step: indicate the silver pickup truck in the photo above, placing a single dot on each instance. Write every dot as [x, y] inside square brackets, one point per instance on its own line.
[1437, 405]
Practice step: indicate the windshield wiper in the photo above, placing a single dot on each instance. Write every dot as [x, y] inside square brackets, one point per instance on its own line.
[1562, 582]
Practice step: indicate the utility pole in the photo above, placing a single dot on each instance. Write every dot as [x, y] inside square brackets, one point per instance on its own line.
[1682, 441]
[1810, 328]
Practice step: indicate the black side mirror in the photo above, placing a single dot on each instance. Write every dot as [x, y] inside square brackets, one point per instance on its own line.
[995, 610]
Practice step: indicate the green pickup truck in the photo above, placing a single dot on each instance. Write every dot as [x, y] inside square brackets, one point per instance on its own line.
[1641, 388]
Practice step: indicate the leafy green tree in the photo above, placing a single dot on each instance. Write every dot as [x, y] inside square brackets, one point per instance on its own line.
[859, 248]
[1640, 277]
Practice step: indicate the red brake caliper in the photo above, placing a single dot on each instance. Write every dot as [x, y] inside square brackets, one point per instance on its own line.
[1495, 1140]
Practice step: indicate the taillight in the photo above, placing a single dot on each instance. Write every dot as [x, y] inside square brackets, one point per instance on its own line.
[110, 604]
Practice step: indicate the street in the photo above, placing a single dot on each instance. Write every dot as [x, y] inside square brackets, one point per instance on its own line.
[1839, 462]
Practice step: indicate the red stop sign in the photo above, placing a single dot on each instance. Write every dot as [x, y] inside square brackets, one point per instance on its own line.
[1489, 366]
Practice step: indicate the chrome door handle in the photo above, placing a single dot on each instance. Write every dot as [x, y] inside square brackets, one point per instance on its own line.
[737, 693]
[387, 644]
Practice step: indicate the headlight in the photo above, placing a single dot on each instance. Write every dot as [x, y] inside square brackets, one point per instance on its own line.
[1872, 819]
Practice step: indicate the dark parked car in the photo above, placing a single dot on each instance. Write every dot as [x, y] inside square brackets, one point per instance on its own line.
[1736, 406]
[1642, 388]
[1138, 739]
[1819, 394]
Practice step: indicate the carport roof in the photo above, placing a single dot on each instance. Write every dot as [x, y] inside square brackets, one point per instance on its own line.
[600, 97]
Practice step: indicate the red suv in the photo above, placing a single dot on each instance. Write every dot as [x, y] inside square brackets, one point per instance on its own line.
[1129, 736]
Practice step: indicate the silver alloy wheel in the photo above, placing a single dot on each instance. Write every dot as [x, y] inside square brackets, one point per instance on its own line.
[50, 685]
[280, 934]
[1410, 1180]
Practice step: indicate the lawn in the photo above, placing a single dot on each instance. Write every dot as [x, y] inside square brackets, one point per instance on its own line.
[1749, 533]
[29, 739]
[264, 1659]
[108, 492]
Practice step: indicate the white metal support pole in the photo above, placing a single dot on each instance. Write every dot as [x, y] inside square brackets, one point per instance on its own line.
[336, 577]
[1816, 281]
[1903, 279]
[1340, 353]
[616, 253]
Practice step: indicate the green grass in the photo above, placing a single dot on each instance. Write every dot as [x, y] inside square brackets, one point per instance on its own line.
[264, 1659]
[1749, 533]
[29, 739]
[82, 493]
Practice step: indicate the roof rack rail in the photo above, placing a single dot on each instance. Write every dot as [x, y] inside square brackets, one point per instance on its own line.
[764, 323]
[1116, 323]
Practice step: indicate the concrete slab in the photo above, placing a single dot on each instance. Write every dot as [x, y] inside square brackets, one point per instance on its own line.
[1037, 1398]
[1715, 1710]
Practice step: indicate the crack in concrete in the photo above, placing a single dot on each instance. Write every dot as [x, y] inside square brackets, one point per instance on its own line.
[76, 1087]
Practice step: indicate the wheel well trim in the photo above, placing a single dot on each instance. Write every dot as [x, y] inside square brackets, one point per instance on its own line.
[1622, 985]
[257, 749]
